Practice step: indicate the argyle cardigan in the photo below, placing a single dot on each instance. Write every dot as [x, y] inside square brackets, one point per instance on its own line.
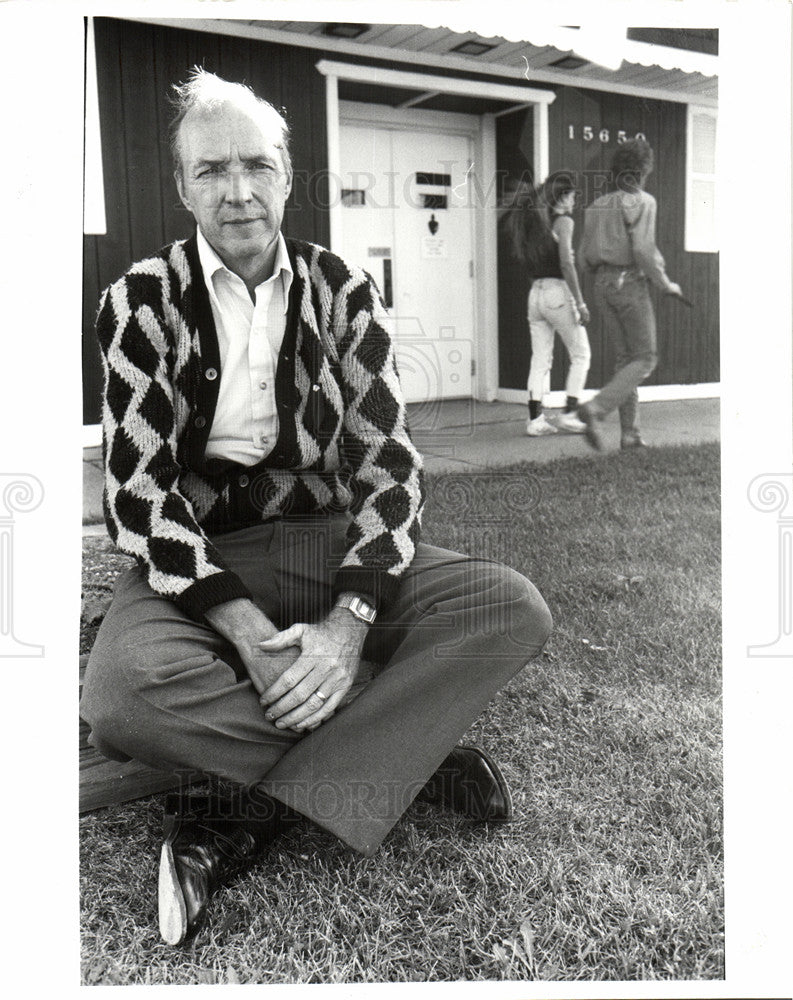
[343, 442]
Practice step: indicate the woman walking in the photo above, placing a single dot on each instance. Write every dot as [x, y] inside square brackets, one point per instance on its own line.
[540, 226]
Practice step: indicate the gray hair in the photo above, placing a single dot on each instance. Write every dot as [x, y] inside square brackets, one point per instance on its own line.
[205, 92]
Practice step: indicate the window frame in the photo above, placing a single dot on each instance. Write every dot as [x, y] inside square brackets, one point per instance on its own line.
[699, 242]
[94, 213]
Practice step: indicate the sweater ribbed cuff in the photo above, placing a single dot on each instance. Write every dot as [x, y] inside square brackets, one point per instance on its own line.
[378, 586]
[205, 594]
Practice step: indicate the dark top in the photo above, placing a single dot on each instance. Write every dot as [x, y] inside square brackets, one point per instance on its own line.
[547, 264]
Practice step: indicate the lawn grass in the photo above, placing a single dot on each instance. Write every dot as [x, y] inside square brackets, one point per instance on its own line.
[611, 741]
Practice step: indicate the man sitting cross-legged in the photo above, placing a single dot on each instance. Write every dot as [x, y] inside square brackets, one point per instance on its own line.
[284, 630]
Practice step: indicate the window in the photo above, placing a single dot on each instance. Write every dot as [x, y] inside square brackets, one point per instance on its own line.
[701, 235]
[94, 183]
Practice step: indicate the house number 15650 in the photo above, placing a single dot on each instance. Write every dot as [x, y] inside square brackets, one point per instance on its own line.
[588, 134]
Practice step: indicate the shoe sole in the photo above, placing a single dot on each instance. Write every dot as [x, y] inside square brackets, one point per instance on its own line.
[172, 912]
[502, 785]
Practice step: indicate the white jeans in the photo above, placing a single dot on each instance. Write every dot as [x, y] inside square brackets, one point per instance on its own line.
[552, 310]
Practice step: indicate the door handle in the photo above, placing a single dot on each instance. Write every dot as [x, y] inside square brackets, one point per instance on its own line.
[388, 285]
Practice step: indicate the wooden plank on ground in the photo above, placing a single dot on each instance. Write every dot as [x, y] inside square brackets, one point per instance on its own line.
[106, 782]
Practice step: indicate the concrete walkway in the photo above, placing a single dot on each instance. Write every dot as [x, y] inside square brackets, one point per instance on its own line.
[463, 435]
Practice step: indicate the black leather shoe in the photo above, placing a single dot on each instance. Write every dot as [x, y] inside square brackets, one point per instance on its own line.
[199, 852]
[470, 782]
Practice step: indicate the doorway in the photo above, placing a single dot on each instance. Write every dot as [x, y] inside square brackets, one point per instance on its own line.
[406, 217]
[428, 105]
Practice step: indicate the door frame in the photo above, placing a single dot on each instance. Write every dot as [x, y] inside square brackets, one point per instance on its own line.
[485, 379]
[419, 120]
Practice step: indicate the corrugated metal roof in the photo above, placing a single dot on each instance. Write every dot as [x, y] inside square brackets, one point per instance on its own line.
[524, 50]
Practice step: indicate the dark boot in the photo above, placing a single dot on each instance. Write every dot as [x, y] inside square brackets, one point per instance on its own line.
[470, 782]
[202, 848]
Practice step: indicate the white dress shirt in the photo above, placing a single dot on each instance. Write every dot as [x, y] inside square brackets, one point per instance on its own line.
[245, 426]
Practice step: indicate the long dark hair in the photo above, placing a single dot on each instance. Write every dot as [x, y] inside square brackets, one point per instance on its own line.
[528, 215]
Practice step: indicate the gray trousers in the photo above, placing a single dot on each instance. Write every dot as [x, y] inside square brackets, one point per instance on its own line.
[172, 693]
[624, 295]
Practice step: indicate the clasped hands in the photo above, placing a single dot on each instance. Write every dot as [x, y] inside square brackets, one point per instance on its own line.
[289, 668]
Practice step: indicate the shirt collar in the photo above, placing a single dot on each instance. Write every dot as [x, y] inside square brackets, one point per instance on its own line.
[211, 264]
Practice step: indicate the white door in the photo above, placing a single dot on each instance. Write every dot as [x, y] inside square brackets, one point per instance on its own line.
[407, 218]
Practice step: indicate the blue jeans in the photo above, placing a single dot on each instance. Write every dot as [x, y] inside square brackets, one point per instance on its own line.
[624, 296]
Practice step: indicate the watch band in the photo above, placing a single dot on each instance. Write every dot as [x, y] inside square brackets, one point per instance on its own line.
[363, 610]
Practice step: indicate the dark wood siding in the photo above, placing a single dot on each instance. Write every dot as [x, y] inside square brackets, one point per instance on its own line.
[688, 339]
[514, 156]
[136, 65]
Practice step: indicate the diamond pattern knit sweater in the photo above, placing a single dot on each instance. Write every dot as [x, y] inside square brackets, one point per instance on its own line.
[343, 443]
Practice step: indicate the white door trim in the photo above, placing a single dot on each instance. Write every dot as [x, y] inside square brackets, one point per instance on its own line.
[470, 127]
[382, 115]
[539, 99]
[485, 381]
[426, 81]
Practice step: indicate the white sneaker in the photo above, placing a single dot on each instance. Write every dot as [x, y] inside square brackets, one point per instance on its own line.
[569, 422]
[539, 426]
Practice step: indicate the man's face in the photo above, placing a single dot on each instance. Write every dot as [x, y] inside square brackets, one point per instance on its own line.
[234, 182]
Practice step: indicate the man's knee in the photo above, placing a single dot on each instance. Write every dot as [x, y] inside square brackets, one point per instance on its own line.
[531, 612]
[516, 599]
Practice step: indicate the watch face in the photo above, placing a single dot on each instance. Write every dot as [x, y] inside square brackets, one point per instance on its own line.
[363, 609]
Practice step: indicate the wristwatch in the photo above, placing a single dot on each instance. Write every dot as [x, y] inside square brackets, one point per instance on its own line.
[363, 610]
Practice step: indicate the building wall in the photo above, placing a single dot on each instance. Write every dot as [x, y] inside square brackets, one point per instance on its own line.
[136, 65]
[688, 339]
